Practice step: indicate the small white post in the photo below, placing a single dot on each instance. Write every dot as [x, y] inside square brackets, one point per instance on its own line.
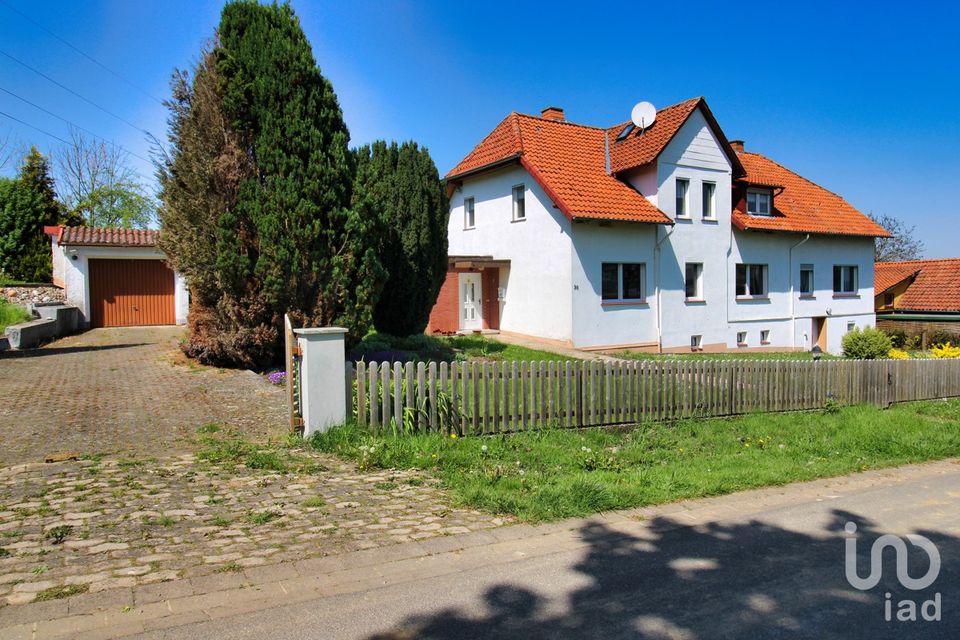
[322, 380]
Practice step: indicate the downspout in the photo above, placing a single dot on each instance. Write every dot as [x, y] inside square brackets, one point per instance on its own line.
[656, 284]
[793, 315]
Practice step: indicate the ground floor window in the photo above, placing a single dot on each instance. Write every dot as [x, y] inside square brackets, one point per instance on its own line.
[623, 281]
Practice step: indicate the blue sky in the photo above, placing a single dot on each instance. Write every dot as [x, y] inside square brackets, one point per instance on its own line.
[859, 97]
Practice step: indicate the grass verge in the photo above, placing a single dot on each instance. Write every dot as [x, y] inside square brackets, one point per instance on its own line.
[11, 314]
[380, 347]
[552, 474]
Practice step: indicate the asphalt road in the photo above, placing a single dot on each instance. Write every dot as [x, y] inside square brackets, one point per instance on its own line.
[778, 574]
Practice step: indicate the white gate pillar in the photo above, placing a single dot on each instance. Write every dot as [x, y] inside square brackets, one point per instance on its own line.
[322, 380]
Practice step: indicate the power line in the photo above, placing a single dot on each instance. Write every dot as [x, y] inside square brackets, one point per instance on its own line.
[78, 50]
[69, 90]
[56, 137]
[72, 124]
[27, 124]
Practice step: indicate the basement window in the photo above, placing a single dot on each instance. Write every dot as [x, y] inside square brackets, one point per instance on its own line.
[765, 336]
[696, 343]
[741, 338]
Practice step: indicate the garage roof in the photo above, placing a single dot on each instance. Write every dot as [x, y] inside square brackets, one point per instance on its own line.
[103, 237]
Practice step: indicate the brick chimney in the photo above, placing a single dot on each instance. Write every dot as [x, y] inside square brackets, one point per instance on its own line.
[552, 113]
[737, 145]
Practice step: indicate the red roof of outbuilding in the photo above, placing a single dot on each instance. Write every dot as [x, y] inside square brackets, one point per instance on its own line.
[889, 274]
[569, 161]
[101, 236]
[936, 287]
[800, 205]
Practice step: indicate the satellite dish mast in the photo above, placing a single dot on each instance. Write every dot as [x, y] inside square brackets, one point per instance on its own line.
[643, 115]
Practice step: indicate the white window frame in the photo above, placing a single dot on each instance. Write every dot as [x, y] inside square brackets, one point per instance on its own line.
[813, 286]
[748, 294]
[841, 292]
[765, 336]
[851, 326]
[758, 193]
[519, 202]
[709, 205]
[741, 338]
[698, 294]
[620, 288]
[469, 213]
[696, 343]
[684, 200]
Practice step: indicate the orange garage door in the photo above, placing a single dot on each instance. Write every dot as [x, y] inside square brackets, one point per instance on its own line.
[128, 293]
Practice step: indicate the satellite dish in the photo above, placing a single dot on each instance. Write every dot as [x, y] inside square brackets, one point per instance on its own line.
[643, 115]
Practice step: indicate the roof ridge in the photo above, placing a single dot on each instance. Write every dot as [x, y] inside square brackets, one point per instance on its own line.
[804, 178]
[920, 261]
[565, 122]
[669, 106]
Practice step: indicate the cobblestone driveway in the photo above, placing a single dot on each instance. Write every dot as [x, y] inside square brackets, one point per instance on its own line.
[123, 390]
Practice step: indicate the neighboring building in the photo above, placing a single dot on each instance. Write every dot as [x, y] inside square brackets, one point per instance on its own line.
[671, 239]
[117, 277]
[919, 296]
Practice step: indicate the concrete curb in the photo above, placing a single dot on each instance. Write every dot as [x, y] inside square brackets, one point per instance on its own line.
[123, 612]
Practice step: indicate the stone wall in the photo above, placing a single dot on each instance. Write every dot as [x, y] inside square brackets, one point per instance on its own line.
[32, 294]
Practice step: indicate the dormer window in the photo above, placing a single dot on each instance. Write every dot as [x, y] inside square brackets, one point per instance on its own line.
[758, 203]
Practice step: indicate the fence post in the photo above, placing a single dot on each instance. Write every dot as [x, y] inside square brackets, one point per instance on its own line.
[323, 391]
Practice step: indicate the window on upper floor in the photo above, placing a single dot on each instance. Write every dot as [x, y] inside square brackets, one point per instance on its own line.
[693, 285]
[751, 280]
[888, 300]
[806, 281]
[683, 186]
[845, 279]
[709, 194]
[758, 203]
[519, 205]
[623, 281]
[469, 215]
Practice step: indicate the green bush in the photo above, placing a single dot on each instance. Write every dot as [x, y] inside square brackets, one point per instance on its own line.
[898, 338]
[941, 337]
[866, 344]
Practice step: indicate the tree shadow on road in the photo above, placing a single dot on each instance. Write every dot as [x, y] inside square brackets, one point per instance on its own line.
[748, 580]
[59, 351]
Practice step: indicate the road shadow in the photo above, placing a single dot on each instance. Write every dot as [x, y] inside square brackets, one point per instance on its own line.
[749, 580]
[40, 352]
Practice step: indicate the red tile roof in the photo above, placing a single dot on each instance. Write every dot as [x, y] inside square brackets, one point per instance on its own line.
[801, 206]
[639, 149]
[97, 236]
[889, 274]
[936, 287]
[569, 161]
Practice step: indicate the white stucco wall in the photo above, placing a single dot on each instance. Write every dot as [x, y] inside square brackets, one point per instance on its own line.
[75, 264]
[537, 287]
[596, 323]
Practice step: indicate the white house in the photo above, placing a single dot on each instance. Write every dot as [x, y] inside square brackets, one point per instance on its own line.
[669, 239]
[117, 277]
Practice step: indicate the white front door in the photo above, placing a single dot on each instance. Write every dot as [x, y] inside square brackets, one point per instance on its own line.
[470, 298]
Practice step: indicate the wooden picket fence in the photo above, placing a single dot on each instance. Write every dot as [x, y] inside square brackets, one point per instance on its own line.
[498, 397]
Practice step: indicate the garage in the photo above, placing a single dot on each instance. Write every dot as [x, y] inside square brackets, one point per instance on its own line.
[131, 293]
[117, 277]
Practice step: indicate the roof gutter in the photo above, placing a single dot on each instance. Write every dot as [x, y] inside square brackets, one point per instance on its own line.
[482, 168]
[793, 301]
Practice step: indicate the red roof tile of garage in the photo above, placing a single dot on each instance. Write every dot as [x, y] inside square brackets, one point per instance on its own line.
[888, 274]
[569, 161]
[801, 206]
[936, 287]
[107, 237]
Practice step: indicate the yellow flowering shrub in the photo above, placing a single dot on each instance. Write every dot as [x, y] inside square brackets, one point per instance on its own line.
[945, 351]
[898, 354]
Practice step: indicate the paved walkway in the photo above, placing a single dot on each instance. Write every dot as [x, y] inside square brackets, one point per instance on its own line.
[116, 390]
[93, 526]
[760, 564]
[533, 343]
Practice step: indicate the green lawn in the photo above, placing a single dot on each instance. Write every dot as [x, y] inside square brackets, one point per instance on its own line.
[11, 314]
[550, 474]
[379, 347]
[744, 355]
